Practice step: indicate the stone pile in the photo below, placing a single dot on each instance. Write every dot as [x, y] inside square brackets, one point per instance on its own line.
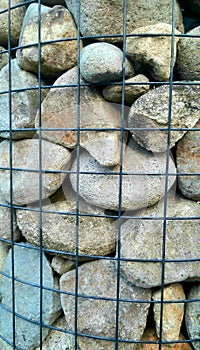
[99, 175]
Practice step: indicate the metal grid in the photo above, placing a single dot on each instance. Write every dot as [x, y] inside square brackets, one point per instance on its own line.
[118, 215]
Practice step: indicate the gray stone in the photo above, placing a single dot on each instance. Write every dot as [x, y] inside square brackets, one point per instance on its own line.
[143, 239]
[102, 63]
[5, 222]
[25, 155]
[24, 104]
[173, 313]
[188, 61]
[188, 161]
[56, 24]
[192, 318]
[97, 235]
[17, 15]
[153, 52]
[138, 191]
[3, 57]
[106, 17]
[59, 110]
[152, 111]
[27, 298]
[132, 90]
[4, 248]
[61, 265]
[97, 317]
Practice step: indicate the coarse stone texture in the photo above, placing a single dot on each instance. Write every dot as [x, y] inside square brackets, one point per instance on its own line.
[16, 20]
[153, 52]
[188, 161]
[4, 248]
[106, 17]
[24, 104]
[56, 24]
[97, 235]
[188, 61]
[152, 111]
[25, 155]
[138, 191]
[58, 340]
[61, 265]
[6, 229]
[3, 57]
[143, 239]
[192, 318]
[59, 110]
[27, 298]
[132, 90]
[98, 317]
[173, 313]
[102, 63]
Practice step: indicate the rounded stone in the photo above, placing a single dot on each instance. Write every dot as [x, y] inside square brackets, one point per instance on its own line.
[192, 312]
[4, 57]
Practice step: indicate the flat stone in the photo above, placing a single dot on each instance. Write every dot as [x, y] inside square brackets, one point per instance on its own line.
[59, 110]
[97, 317]
[24, 104]
[3, 57]
[16, 21]
[143, 239]
[153, 52]
[102, 63]
[138, 191]
[152, 111]
[27, 297]
[192, 319]
[173, 313]
[26, 184]
[188, 61]
[56, 24]
[97, 235]
[188, 161]
[132, 90]
[104, 17]
[61, 265]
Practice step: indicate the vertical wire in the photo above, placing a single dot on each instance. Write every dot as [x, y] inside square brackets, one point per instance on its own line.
[167, 175]
[120, 177]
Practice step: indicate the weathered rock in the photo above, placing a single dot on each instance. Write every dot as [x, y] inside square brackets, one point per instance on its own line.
[25, 155]
[138, 191]
[192, 319]
[153, 52]
[104, 17]
[27, 298]
[143, 239]
[97, 317]
[188, 61]
[152, 111]
[132, 90]
[24, 104]
[61, 265]
[59, 110]
[5, 222]
[4, 248]
[102, 63]
[17, 15]
[97, 235]
[56, 24]
[188, 161]
[3, 57]
[173, 313]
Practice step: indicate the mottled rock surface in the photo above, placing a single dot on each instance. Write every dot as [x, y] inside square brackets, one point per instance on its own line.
[132, 91]
[188, 60]
[152, 111]
[5, 222]
[25, 155]
[102, 63]
[188, 161]
[153, 52]
[192, 318]
[138, 191]
[61, 265]
[24, 104]
[97, 316]
[3, 57]
[59, 110]
[56, 24]
[27, 298]
[106, 17]
[143, 239]
[4, 248]
[173, 313]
